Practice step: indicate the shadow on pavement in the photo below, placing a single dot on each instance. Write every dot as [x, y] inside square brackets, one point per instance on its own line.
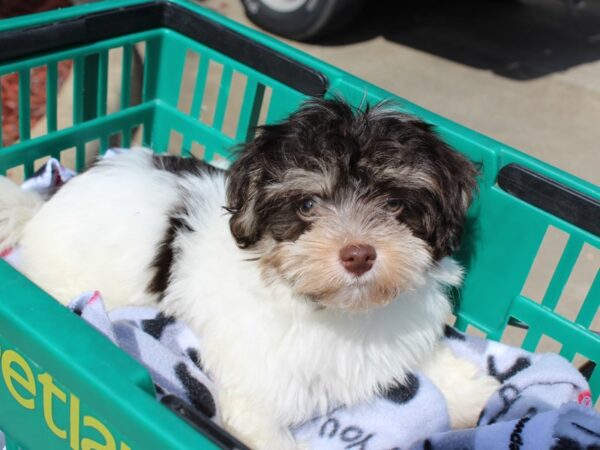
[518, 39]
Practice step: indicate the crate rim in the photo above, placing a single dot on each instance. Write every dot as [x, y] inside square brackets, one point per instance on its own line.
[505, 154]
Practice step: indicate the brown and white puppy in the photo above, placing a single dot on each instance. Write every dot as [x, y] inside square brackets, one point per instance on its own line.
[314, 271]
[376, 189]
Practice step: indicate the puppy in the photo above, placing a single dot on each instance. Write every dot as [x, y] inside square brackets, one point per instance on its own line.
[314, 271]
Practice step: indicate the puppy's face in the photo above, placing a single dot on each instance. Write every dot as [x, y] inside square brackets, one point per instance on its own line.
[349, 208]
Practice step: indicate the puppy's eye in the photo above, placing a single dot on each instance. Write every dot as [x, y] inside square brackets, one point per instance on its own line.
[306, 206]
[393, 205]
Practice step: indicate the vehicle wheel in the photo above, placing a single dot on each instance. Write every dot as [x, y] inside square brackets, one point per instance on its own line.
[302, 19]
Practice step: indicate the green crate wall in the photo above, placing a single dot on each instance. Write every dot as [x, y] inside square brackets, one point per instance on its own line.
[503, 236]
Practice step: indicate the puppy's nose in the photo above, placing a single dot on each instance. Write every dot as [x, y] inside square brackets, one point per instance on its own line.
[358, 258]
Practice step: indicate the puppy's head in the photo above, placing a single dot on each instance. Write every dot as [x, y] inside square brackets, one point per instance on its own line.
[348, 207]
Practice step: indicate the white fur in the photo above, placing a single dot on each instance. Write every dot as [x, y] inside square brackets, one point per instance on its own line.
[100, 231]
[17, 207]
[278, 360]
[465, 388]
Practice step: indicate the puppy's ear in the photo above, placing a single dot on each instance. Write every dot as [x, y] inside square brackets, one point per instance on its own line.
[242, 194]
[437, 210]
[458, 183]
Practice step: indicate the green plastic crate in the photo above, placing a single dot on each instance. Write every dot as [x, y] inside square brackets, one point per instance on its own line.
[54, 392]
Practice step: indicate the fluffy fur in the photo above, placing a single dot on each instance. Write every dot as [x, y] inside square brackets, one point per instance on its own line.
[17, 207]
[287, 331]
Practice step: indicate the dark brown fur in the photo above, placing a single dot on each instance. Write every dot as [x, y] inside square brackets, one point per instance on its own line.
[374, 155]
[167, 252]
[182, 166]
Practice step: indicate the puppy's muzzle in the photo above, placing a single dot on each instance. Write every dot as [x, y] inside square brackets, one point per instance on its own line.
[358, 258]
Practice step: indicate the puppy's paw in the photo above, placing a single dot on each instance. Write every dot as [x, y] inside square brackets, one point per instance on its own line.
[465, 387]
[467, 399]
[259, 431]
[303, 445]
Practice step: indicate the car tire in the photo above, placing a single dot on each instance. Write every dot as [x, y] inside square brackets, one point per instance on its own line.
[302, 20]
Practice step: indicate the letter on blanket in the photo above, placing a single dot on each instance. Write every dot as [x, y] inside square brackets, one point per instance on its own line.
[89, 444]
[11, 360]
[50, 390]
